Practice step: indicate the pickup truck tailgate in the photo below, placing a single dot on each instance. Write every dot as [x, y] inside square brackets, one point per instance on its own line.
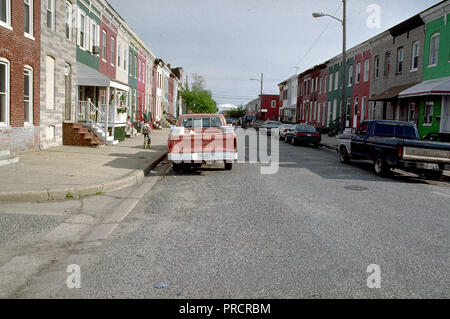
[427, 152]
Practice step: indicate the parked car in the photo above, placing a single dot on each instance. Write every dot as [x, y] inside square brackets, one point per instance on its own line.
[269, 126]
[257, 124]
[303, 134]
[282, 130]
[202, 138]
[394, 144]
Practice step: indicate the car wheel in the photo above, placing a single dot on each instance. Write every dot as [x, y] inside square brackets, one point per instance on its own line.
[286, 140]
[228, 166]
[380, 166]
[343, 156]
[176, 167]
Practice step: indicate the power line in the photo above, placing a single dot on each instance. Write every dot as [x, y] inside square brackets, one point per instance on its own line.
[314, 43]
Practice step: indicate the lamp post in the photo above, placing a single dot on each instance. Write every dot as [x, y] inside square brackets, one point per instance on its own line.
[260, 96]
[343, 112]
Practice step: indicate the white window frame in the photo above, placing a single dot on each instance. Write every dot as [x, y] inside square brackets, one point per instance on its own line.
[358, 73]
[415, 50]
[82, 30]
[366, 70]
[112, 50]
[7, 24]
[30, 34]
[50, 98]
[363, 108]
[30, 121]
[400, 60]
[104, 46]
[336, 80]
[52, 11]
[350, 75]
[68, 20]
[136, 68]
[430, 63]
[330, 83]
[6, 111]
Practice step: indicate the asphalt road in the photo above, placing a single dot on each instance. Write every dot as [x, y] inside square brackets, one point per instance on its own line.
[309, 231]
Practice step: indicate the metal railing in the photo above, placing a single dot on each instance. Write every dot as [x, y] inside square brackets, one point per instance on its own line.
[93, 116]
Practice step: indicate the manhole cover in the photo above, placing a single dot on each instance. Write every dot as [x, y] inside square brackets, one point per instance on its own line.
[356, 188]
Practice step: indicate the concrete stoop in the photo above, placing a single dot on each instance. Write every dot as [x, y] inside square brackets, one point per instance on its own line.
[6, 158]
[75, 134]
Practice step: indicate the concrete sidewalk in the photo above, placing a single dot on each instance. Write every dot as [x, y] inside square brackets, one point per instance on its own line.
[71, 171]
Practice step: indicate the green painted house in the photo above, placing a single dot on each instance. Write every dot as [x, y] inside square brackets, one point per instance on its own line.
[433, 94]
[132, 78]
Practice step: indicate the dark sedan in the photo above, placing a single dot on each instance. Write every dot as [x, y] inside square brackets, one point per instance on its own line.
[303, 134]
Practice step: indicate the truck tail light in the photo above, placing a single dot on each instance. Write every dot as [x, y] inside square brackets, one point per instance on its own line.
[170, 145]
[400, 151]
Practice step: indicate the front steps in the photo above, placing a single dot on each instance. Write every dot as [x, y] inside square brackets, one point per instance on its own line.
[100, 133]
[6, 158]
[75, 134]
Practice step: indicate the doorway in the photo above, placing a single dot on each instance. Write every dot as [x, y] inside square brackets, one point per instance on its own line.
[445, 118]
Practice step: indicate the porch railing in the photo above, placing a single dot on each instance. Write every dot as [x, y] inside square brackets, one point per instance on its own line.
[95, 117]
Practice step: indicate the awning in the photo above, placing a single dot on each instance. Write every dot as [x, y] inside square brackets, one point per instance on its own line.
[431, 87]
[391, 93]
[87, 76]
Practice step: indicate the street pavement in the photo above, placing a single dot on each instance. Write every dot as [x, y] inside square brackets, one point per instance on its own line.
[309, 231]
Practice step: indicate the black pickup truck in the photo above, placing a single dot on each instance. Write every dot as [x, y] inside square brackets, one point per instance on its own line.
[393, 144]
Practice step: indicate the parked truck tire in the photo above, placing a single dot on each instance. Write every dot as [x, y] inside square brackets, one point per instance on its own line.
[228, 166]
[380, 167]
[343, 155]
[176, 167]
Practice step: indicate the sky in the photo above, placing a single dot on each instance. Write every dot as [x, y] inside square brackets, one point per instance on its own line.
[229, 42]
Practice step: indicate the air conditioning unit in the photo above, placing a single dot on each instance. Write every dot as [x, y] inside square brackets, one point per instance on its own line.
[95, 49]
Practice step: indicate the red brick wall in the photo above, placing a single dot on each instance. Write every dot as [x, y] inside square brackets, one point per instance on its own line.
[272, 113]
[105, 67]
[21, 51]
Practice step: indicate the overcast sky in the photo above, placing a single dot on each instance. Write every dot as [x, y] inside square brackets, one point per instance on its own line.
[230, 41]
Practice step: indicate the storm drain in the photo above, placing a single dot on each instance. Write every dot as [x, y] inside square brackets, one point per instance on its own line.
[356, 188]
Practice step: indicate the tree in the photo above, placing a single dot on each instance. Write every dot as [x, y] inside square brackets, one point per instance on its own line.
[196, 98]
[238, 112]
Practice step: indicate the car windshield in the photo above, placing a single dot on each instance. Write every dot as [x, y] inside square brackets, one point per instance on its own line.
[399, 131]
[306, 129]
[201, 122]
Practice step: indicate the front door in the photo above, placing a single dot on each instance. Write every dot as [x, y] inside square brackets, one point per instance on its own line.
[446, 115]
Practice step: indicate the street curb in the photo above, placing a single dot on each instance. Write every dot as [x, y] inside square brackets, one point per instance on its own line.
[80, 191]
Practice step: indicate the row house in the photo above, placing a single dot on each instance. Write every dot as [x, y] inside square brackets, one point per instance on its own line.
[288, 100]
[177, 88]
[266, 107]
[20, 56]
[430, 99]
[387, 77]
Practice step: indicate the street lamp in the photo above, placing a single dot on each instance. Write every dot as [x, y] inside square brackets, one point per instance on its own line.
[260, 96]
[344, 60]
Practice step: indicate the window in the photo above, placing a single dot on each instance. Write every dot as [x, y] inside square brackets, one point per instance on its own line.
[428, 114]
[5, 13]
[51, 14]
[377, 67]
[50, 83]
[355, 109]
[28, 19]
[363, 108]
[358, 72]
[350, 75]
[28, 95]
[434, 50]
[415, 56]
[4, 92]
[336, 80]
[119, 55]
[136, 71]
[366, 70]
[68, 21]
[387, 63]
[330, 83]
[125, 59]
[130, 61]
[94, 35]
[400, 58]
[82, 34]
[274, 104]
[104, 46]
[113, 46]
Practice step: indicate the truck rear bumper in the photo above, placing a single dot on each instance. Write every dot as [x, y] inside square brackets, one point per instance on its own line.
[202, 157]
[424, 166]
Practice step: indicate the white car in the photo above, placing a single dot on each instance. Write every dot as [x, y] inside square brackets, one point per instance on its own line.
[281, 132]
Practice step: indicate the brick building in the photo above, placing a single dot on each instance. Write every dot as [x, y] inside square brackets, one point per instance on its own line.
[58, 71]
[20, 36]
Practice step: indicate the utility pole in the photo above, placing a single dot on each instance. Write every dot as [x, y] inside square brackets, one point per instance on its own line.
[343, 118]
[261, 95]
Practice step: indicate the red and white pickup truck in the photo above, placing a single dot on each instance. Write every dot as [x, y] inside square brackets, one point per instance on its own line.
[202, 138]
